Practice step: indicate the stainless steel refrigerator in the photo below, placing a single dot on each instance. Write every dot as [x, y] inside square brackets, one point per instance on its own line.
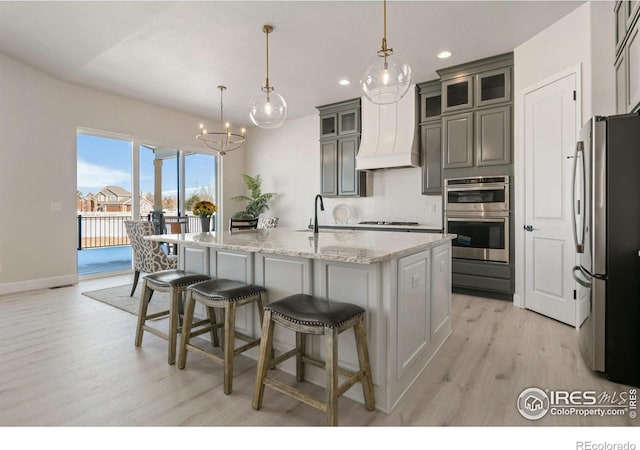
[606, 212]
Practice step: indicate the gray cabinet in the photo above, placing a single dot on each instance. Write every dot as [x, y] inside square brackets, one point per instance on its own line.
[328, 165]
[431, 153]
[339, 143]
[627, 65]
[350, 180]
[431, 136]
[633, 68]
[457, 94]
[481, 134]
[493, 136]
[493, 86]
[457, 131]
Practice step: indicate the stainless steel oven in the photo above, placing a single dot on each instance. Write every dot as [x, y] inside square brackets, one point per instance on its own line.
[477, 194]
[480, 236]
[477, 210]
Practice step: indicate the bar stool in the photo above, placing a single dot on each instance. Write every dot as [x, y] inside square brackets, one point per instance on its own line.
[175, 283]
[229, 295]
[305, 314]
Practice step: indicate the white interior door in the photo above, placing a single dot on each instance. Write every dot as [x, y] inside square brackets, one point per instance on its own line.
[550, 134]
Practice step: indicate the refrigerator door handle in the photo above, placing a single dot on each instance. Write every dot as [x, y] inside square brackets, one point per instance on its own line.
[574, 213]
[582, 282]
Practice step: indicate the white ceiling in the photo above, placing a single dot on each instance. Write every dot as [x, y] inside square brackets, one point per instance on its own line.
[175, 53]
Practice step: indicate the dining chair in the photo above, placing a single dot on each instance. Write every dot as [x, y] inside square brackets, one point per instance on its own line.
[148, 256]
[242, 224]
[267, 222]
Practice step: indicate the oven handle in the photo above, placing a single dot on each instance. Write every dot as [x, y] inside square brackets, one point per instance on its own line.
[477, 219]
[484, 187]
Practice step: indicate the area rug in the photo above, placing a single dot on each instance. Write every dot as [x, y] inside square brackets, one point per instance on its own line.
[119, 297]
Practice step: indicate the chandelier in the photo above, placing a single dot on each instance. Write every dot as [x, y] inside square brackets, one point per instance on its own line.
[388, 77]
[221, 142]
[267, 108]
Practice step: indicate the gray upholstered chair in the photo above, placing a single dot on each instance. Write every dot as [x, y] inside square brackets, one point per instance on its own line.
[148, 256]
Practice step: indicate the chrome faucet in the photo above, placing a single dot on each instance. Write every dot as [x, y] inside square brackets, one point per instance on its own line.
[315, 220]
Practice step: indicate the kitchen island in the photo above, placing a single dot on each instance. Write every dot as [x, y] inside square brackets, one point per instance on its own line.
[402, 280]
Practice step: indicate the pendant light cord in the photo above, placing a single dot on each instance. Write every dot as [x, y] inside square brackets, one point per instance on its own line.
[221, 114]
[267, 30]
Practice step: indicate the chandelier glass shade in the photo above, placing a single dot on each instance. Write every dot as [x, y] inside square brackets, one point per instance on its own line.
[267, 109]
[221, 142]
[387, 79]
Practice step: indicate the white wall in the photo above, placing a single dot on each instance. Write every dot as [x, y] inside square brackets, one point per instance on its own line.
[582, 38]
[39, 116]
[288, 159]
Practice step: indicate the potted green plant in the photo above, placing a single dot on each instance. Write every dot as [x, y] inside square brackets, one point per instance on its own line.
[256, 202]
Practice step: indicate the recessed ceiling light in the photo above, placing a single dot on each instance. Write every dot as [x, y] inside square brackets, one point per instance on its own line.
[344, 82]
[444, 54]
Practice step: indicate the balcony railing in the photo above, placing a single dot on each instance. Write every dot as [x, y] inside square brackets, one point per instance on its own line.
[106, 230]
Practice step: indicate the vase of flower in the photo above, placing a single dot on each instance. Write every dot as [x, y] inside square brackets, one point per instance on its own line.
[205, 223]
[205, 209]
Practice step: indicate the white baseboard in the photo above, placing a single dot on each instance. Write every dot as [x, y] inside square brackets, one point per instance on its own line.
[41, 283]
[517, 301]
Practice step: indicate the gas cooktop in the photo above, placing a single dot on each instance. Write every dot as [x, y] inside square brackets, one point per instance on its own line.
[384, 222]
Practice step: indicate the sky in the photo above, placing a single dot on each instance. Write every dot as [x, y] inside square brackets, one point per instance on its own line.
[107, 162]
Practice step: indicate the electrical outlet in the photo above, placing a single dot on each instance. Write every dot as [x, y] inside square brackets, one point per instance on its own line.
[55, 206]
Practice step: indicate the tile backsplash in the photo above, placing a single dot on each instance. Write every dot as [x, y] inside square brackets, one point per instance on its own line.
[392, 195]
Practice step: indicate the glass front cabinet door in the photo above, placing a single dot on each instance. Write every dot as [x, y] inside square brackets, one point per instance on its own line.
[457, 94]
[493, 87]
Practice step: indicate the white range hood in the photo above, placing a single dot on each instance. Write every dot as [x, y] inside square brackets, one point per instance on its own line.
[389, 134]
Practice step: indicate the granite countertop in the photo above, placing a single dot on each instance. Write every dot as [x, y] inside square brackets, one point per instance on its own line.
[355, 246]
[382, 225]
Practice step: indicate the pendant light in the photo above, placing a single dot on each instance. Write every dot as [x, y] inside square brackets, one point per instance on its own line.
[388, 77]
[221, 142]
[267, 108]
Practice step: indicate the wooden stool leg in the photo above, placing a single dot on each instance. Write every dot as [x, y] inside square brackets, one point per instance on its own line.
[174, 313]
[331, 374]
[363, 359]
[229, 343]
[211, 315]
[189, 309]
[300, 352]
[264, 358]
[142, 311]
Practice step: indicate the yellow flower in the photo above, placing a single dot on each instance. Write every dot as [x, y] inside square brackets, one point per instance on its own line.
[204, 208]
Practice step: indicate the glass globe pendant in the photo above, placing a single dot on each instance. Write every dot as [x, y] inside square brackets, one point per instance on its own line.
[267, 109]
[387, 79]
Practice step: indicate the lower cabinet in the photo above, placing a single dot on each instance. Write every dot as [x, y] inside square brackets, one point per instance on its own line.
[483, 276]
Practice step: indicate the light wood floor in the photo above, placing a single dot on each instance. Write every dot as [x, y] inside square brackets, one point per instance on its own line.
[67, 360]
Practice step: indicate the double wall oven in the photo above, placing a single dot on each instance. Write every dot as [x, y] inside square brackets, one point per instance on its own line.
[477, 210]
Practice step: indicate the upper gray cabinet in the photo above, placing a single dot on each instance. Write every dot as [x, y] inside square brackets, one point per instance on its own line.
[493, 136]
[431, 136]
[458, 140]
[457, 94]
[493, 87]
[339, 144]
[477, 130]
[627, 64]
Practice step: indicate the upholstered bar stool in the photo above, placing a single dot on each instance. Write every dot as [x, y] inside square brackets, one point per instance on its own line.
[305, 314]
[228, 295]
[174, 282]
